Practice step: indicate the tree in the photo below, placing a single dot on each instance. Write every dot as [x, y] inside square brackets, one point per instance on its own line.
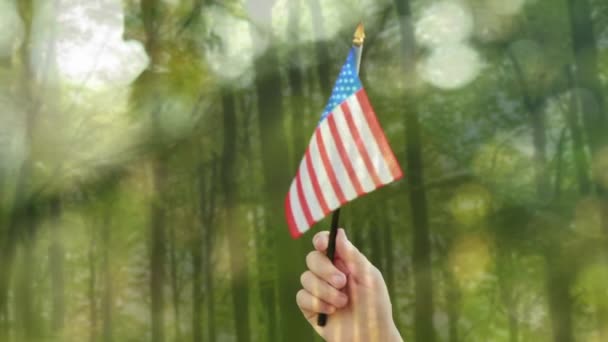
[237, 238]
[417, 194]
[56, 267]
[150, 10]
[276, 181]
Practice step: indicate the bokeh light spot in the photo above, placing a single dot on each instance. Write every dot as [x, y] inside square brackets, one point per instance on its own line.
[444, 23]
[233, 59]
[451, 67]
[471, 204]
[470, 261]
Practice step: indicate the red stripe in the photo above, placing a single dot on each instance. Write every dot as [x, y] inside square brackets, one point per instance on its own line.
[329, 169]
[303, 203]
[315, 183]
[378, 133]
[348, 116]
[291, 222]
[352, 175]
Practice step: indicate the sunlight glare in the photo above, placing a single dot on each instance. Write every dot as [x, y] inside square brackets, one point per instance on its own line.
[89, 47]
[233, 58]
[306, 33]
[11, 28]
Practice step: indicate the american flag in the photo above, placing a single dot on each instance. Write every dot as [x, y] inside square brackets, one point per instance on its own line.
[347, 157]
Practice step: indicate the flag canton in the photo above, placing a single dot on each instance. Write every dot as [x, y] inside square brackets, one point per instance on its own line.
[348, 83]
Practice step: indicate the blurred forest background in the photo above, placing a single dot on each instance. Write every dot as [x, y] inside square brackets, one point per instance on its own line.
[146, 148]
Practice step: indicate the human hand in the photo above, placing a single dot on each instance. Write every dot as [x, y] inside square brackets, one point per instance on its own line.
[352, 292]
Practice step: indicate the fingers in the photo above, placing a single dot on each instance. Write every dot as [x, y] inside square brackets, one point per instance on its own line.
[321, 241]
[322, 267]
[311, 305]
[348, 261]
[322, 290]
[344, 248]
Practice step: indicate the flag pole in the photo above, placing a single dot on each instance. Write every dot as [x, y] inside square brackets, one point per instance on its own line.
[358, 40]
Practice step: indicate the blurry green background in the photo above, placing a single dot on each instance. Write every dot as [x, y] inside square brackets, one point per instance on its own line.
[146, 148]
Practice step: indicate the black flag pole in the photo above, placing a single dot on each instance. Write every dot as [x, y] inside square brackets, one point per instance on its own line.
[358, 40]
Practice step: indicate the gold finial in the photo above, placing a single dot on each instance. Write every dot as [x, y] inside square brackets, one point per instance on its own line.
[359, 35]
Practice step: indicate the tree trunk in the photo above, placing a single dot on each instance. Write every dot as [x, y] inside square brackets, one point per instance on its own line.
[174, 282]
[150, 16]
[237, 238]
[375, 232]
[584, 44]
[453, 305]
[197, 293]
[266, 264]
[24, 303]
[559, 274]
[587, 77]
[207, 192]
[209, 284]
[56, 256]
[107, 276]
[296, 84]
[504, 267]
[157, 253]
[322, 48]
[92, 286]
[578, 145]
[9, 238]
[276, 181]
[389, 264]
[559, 282]
[196, 253]
[423, 283]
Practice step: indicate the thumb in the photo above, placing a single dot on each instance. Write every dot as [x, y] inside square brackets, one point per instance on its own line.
[355, 261]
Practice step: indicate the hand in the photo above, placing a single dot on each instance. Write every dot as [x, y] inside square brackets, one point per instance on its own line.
[352, 293]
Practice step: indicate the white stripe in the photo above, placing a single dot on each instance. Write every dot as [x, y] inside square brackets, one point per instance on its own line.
[369, 141]
[309, 193]
[324, 183]
[336, 162]
[296, 208]
[352, 151]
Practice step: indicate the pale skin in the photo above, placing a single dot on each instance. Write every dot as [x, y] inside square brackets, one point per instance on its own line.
[352, 292]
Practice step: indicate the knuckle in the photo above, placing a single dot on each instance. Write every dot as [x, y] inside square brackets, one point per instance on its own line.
[377, 277]
[304, 278]
[317, 305]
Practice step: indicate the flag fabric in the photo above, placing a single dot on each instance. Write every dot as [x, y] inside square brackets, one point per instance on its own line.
[347, 157]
